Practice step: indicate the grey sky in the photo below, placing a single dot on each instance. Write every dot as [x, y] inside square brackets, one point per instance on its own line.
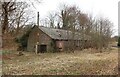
[98, 8]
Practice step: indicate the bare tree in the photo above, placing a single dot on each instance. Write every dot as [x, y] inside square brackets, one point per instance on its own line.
[98, 30]
[51, 19]
[68, 17]
[22, 16]
[14, 16]
[7, 8]
[83, 21]
[101, 33]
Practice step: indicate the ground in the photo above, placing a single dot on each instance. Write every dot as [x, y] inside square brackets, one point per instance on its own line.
[85, 62]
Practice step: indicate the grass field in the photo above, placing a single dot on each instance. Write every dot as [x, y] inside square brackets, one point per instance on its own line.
[85, 62]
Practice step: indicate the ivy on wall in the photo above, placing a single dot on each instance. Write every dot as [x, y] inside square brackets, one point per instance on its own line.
[52, 46]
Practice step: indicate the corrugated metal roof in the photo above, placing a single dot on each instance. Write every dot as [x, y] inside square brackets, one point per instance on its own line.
[61, 34]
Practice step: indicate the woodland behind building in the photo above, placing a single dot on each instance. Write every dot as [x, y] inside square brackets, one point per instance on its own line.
[17, 20]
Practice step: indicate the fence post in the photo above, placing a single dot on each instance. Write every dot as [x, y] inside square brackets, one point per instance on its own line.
[36, 48]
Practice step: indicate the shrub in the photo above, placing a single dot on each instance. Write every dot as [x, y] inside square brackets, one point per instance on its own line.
[53, 47]
[119, 41]
[23, 40]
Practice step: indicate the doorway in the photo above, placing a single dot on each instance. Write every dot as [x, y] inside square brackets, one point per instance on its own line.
[42, 48]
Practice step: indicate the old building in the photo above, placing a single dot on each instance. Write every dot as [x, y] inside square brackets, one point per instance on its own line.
[52, 40]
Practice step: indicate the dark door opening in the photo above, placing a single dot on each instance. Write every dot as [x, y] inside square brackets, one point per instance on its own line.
[42, 48]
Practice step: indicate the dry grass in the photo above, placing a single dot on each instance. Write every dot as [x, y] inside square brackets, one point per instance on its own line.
[80, 62]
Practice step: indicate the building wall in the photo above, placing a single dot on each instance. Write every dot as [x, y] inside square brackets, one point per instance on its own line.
[37, 37]
[70, 45]
[60, 45]
[64, 45]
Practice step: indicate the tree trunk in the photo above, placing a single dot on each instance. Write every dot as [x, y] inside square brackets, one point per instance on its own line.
[5, 22]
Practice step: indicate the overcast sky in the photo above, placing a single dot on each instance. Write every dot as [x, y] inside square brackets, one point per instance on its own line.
[104, 8]
[98, 8]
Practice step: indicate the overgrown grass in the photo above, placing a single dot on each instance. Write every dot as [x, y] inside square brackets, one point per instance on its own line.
[78, 63]
[5, 52]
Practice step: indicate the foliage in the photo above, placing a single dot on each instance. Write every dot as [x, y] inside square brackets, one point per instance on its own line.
[119, 41]
[99, 29]
[23, 40]
[52, 48]
[69, 18]
[4, 52]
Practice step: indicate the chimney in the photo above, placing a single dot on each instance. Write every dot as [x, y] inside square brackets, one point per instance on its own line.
[38, 19]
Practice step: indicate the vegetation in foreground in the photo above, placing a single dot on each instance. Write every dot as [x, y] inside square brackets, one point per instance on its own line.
[85, 62]
[14, 23]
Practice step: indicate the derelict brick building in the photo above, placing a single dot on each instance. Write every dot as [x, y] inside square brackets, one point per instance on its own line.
[51, 39]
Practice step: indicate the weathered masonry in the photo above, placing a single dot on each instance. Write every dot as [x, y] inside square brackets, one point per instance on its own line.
[51, 39]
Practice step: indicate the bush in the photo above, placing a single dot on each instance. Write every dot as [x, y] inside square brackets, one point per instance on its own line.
[23, 40]
[119, 41]
[53, 47]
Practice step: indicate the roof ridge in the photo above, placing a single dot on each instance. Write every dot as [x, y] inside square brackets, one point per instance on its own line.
[54, 33]
[54, 28]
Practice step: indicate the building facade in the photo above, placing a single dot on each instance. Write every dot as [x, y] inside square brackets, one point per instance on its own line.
[52, 40]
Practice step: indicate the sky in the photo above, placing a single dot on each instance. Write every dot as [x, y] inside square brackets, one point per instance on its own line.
[97, 8]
